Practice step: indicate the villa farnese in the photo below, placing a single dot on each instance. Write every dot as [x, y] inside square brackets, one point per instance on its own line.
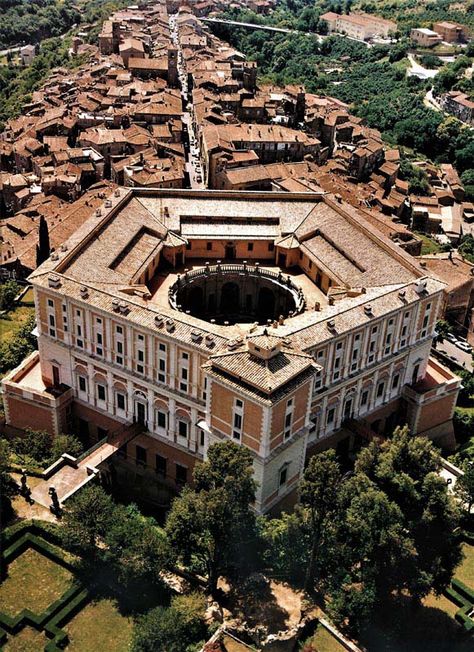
[282, 321]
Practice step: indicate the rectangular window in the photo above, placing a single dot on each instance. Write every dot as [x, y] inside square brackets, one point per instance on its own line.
[140, 456]
[288, 419]
[395, 381]
[426, 320]
[331, 416]
[160, 465]
[120, 401]
[50, 303]
[364, 399]
[283, 476]
[380, 390]
[183, 429]
[82, 384]
[184, 374]
[237, 419]
[101, 392]
[250, 246]
[209, 246]
[161, 419]
[181, 474]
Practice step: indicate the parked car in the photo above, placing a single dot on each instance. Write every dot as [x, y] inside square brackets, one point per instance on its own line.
[464, 346]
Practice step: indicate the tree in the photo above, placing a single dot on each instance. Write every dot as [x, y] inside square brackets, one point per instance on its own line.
[176, 629]
[286, 545]
[135, 546]
[87, 518]
[389, 527]
[464, 487]
[406, 469]
[34, 444]
[43, 248]
[14, 350]
[318, 494]
[211, 521]
[8, 292]
[64, 443]
[443, 329]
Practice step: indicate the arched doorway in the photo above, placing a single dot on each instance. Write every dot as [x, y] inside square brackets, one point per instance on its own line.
[266, 303]
[230, 298]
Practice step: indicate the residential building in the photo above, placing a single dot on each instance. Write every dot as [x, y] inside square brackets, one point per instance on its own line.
[425, 37]
[359, 26]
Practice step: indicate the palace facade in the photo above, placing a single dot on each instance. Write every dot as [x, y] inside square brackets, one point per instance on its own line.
[281, 321]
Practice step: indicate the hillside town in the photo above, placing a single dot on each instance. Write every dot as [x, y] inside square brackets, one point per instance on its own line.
[248, 321]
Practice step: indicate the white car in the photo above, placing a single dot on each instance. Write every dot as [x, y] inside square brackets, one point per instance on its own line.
[464, 346]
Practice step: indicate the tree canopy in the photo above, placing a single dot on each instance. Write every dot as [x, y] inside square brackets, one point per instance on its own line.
[210, 522]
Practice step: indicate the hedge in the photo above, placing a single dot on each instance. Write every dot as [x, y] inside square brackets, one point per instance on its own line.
[41, 536]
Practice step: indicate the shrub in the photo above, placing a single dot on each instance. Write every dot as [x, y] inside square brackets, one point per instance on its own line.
[176, 629]
[38, 446]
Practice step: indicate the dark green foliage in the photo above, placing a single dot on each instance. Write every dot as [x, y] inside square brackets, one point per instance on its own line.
[417, 178]
[388, 528]
[41, 449]
[17, 83]
[467, 388]
[319, 490]
[467, 177]
[443, 329]
[213, 522]
[176, 629]
[8, 487]
[86, 520]
[14, 350]
[286, 546]
[465, 486]
[430, 61]
[466, 246]
[377, 90]
[30, 21]
[8, 292]
[118, 537]
[135, 546]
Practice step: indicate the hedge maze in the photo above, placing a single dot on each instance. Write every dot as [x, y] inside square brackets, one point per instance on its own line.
[49, 621]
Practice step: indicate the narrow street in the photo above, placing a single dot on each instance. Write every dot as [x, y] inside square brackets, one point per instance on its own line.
[193, 153]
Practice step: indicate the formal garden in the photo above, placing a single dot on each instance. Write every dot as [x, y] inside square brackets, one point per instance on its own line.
[383, 552]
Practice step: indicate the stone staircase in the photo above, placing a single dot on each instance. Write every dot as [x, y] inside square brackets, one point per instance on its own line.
[69, 474]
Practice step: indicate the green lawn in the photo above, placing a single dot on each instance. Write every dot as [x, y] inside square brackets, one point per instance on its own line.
[324, 641]
[33, 582]
[99, 626]
[402, 628]
[429, 246]
[27, 640]
[465, 572]
[13, 320]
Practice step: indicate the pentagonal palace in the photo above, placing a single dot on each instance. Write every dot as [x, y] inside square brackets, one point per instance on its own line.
[282, 321]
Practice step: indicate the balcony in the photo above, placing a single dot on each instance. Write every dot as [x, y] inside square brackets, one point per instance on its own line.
[26, 382]
[438, 381]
